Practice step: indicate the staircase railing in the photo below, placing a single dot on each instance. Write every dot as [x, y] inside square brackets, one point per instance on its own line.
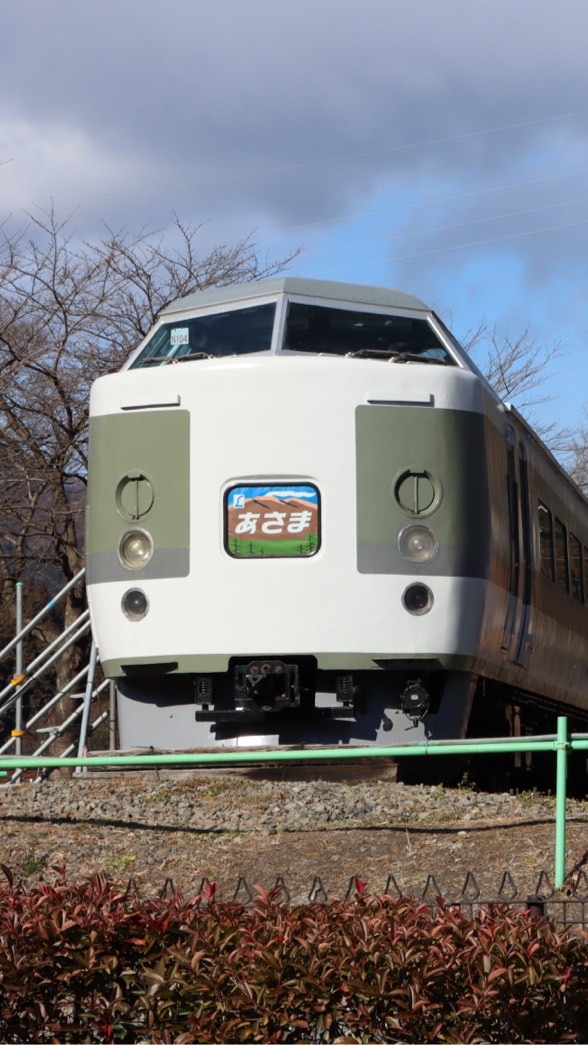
[26, 677]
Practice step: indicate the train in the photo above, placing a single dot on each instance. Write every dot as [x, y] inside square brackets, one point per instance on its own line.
[312, 521]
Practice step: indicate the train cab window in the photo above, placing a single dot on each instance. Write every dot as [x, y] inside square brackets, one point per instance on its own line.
[230, 333]
[362, 335]
[576, 577]
[546, 542]
[561, 556]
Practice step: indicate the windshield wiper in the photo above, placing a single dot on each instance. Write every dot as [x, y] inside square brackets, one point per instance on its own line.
[394, 355]
[372, 353]
[415, 357]
[164, 360]
[191, 355]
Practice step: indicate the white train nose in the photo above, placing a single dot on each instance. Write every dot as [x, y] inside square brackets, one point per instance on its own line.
[292, 540]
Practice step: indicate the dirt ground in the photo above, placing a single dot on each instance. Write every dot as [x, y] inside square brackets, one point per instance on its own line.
[506, 861]
[458, 858]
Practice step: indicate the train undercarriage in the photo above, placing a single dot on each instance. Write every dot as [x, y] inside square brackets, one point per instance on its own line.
[270, 702]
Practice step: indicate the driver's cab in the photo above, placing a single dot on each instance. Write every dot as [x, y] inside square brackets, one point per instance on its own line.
[297, 316]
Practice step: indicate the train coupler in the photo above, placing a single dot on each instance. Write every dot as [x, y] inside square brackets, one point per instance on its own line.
[261, 689]
[267, 685]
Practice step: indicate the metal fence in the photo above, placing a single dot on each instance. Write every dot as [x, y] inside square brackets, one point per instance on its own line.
[566, 908]
[561, 744]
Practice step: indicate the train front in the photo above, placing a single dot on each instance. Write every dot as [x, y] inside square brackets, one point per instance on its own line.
[287, 526]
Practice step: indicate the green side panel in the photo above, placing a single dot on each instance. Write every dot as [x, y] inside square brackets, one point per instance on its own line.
[422, 465]
[139, 476]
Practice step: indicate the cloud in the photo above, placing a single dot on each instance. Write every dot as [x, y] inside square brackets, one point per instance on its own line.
[43, 160]
[292, 116]
[437, 146]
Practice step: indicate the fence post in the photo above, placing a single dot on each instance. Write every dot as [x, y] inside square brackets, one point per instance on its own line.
[561, 747]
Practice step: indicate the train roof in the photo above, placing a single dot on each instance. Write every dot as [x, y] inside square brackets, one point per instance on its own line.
[355, 293]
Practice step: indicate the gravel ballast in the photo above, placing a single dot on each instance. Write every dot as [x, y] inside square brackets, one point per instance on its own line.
[184, 827]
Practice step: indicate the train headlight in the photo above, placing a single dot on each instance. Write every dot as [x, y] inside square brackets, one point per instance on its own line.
[135, 604]
[417, 599]
[135, 549]
[417, 543]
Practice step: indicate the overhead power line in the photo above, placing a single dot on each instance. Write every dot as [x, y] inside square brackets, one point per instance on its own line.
[448, 228]
[460, 246]
[405, 147]
[430, 201]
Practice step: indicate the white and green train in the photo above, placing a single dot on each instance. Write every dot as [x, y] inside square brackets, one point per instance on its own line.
[312, 521]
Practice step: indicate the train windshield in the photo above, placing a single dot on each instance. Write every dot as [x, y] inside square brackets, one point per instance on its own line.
[363, 335]
[235, 332]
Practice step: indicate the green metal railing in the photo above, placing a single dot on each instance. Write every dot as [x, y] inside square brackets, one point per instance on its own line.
[561, 743]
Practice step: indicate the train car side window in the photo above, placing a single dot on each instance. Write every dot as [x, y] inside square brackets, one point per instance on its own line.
[546, 542]
[561, 556]
[585, 573]
[576, 578]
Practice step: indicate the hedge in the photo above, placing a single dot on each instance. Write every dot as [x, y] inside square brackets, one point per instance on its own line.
[93, 962]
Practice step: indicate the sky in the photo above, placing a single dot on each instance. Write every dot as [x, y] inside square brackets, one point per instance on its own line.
[436, 146]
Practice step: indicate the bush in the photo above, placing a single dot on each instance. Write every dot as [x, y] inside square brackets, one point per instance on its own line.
[93, 963]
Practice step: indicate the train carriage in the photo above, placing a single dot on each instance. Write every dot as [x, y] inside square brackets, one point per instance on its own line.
[312, 521]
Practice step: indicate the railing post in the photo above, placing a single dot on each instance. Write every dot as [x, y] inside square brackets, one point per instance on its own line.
[112, 715]
[561, 746]
[87, 701]
[17, 732]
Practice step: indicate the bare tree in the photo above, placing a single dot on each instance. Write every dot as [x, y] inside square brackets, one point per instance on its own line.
[577, 451]
[68, 314]
[517, 368]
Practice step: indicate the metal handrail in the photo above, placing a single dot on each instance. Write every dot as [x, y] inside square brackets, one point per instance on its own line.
[561, 743]
[57, 731]
[40, 616]
[25, 677]
[13, 693]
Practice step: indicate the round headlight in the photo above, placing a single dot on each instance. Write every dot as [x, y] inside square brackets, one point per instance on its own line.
[135, 549]
[418, 599]
[417, 543]
[134, 604]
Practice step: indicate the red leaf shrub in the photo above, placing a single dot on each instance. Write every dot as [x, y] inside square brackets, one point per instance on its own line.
[92, 963]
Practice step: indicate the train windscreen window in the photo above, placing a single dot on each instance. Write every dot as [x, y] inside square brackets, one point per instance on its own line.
[546, 542]
[235, 332]
[577, 581]
[561, 555]
[368, 335]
